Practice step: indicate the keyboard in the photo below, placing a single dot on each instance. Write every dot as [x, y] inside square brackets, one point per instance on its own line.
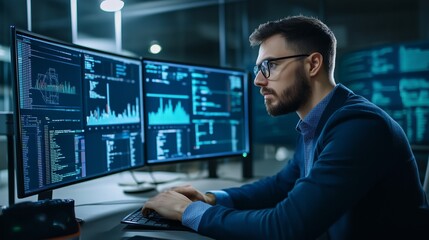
[153, 221]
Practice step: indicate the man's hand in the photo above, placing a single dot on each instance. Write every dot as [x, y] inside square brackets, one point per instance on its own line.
[195, 195]
[169, 204]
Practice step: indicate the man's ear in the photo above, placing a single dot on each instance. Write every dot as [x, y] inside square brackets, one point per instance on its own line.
[316, 62]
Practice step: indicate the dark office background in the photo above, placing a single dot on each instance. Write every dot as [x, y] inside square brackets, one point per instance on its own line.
[213, 32]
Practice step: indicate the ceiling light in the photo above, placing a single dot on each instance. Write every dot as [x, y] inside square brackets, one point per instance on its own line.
[155, 48]
[111, 5]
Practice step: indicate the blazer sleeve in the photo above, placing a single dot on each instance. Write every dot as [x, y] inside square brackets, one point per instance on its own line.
[348, 165]
[267, 192]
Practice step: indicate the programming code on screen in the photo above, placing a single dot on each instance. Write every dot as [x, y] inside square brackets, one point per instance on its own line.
[194, 111]
[396, 78]
[79, 113]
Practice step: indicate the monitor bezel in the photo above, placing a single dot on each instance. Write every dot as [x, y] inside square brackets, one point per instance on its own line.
[19, 165]
[244, 155]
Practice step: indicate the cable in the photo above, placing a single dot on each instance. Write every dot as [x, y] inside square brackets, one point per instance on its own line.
[135, 178]
[154, 180]
[112, 202]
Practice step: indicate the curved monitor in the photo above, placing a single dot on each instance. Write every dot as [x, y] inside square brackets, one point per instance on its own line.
[396, 78]
[194, 112]
[78, 113]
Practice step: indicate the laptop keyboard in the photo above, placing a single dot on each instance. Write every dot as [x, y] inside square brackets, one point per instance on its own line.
[152, 221]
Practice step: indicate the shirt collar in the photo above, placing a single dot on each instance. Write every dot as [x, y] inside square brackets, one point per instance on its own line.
[309, 123]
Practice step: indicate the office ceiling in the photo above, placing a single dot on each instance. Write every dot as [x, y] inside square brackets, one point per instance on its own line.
[189, 29]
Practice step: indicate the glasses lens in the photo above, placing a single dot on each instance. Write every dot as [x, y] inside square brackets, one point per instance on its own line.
[256, 69]
[265, 69]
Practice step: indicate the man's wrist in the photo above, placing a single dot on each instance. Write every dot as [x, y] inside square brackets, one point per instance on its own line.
[218, 197]
[181, 209]
[210, 198]
[193, 214]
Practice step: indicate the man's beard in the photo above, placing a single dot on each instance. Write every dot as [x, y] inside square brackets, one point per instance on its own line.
[292, 98]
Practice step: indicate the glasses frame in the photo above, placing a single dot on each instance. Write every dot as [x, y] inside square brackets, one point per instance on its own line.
[265, 64]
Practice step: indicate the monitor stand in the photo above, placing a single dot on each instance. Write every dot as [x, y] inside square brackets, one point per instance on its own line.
[46, 195]
[139, 188]
[246, 165]
[6, 128]
[212, 168]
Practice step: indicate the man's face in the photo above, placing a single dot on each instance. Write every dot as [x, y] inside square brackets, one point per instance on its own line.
[287, 88]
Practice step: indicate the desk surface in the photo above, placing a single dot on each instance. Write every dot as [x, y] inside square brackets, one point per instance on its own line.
[101, 204]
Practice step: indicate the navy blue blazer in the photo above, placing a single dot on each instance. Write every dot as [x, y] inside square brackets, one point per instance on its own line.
[364, 184]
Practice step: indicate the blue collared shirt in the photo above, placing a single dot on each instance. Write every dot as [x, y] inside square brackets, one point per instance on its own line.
[193, 213]
[306, 127]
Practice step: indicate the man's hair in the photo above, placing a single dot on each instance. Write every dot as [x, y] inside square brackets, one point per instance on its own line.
[304, 34]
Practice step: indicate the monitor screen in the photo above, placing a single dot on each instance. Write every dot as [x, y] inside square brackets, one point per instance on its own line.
[78, 113]
[396, 78]
[194, 112]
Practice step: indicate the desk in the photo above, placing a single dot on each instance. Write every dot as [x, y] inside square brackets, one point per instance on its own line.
[102, 204]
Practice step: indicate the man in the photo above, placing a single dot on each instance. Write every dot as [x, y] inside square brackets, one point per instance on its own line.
[353, 175]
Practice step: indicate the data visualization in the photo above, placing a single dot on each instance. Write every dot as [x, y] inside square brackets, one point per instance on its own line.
[79, 113]
[194, 112]
[396, 78]
[113, 91]
[167, 112]
[50, 78]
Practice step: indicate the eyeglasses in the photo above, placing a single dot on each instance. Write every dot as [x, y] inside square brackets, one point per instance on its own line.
[264, 66]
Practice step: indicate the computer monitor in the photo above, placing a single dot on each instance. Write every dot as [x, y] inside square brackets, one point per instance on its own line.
[396, 78]
[78, 113]
[194, 112]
